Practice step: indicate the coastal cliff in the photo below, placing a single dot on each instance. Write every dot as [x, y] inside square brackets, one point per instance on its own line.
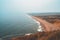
[51, 25]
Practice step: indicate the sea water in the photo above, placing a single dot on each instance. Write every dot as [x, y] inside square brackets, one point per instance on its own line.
[16, 23]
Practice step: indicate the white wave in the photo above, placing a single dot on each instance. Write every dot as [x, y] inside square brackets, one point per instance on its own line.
[39, 29]
[28, 34]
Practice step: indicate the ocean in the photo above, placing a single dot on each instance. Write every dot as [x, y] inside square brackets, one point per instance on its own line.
[16, 24]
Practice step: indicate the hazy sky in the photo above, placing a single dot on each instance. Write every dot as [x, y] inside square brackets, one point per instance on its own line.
[29, 6]
[41, 5]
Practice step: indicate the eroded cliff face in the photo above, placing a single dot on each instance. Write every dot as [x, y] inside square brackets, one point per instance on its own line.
[51, 26]
[54, 35]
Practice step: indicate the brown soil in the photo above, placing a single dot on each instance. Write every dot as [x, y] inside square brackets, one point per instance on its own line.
[57, 23]
[54, 35]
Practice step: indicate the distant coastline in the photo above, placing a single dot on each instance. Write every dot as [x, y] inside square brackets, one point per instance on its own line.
[44, 14]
